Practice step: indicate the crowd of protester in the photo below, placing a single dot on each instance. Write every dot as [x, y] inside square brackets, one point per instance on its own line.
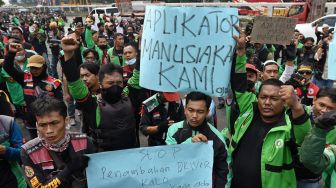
[280, 111]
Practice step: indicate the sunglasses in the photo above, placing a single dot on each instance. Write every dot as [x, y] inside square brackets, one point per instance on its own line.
[305, 72]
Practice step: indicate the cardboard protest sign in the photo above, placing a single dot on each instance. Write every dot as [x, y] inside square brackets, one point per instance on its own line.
[188, 49]
[184, 165]
[273, 30]
[332, 59]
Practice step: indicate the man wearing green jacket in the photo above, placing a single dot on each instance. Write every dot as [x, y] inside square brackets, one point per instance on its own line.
[15, 89]
[117, 52]
[314, 155]
[108, 116]
[102, 49]
[264, 130]
[324, 101]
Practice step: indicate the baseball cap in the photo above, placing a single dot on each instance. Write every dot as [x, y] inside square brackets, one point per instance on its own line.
[252, 67]
[36, 61]
[305, 68]
[16, 27]
[171, 96]
[53, 24]
[325, 25]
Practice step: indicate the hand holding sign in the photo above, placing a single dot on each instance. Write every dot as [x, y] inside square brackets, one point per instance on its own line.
[241, 41]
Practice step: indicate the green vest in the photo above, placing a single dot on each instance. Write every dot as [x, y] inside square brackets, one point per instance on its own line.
[114, 58]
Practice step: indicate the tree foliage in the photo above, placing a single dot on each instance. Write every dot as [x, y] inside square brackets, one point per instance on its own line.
[2, 3]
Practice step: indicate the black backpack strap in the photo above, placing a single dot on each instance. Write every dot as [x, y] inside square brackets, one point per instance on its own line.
[58, 162]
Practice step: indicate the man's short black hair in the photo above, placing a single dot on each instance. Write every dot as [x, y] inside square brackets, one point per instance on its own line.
[109, 69]
[117, 35]
[132, 45]
[267, 63]
[87, 51]
[46, 104]
[16, 38]
[131, 27]
[272, 82]
[91, 67]
[309, 39]
[198, 96]
[99, 24]
[102, 37]
[307, 64]
[327, 92]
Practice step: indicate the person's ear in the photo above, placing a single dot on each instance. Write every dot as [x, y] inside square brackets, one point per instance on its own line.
[67, 120]
[314, 100]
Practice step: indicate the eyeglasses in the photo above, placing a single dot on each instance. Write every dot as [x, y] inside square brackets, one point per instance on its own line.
[305, 72]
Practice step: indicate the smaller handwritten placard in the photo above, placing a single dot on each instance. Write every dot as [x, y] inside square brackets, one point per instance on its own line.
[273, 30]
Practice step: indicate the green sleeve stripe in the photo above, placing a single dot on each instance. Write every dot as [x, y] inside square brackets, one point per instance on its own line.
[188, 141]
[219, 135]
[125, 91]
[98, 116]
[171, 131]
[78, 89]
[228, 157]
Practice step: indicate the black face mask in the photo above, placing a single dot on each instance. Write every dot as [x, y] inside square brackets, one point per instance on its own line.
[112, 94]
[308, 47]
[103, 47]
[250, 86]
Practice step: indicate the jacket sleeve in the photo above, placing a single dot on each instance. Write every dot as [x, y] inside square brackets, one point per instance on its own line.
[286, 75]
[134, 81]
[35, 176]
[90, 146]
[13, 72]
[239, 85]
[13, 151]
[301, 127]
[170, 140]
[221, 167]
[58, 92]
[145, 121]
[77, 88]
[88, 38]
[311, 151]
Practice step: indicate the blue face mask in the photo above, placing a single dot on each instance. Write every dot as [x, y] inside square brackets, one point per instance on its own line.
[131, 61]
